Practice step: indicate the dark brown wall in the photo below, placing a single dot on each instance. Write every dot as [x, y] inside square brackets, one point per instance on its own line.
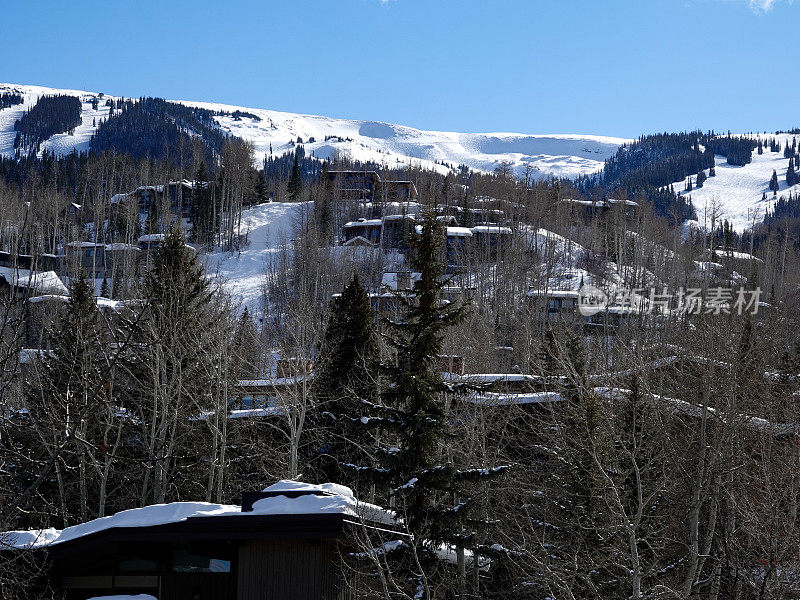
[287, 570]
[197, 586]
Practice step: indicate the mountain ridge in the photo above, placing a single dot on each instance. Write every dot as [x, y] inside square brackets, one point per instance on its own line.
[276, 132]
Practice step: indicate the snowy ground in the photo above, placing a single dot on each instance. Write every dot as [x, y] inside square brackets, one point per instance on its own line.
[268, 227]
[737, 191]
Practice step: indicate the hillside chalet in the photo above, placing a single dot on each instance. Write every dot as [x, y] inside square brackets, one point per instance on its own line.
[285, 543]
[367, 186]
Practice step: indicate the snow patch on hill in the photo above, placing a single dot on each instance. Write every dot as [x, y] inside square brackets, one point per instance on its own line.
[267, 228]
[62, 143]
[736, 192]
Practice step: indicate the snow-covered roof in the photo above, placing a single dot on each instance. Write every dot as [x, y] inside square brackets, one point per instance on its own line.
[117, 198]
[459, 232]
[42, 282]
[364, 223]
[119, 246]
[83, 244]
[101, 302]
[496, 377]
[286, 497]
[491, 229]
[28, 355]
[152, 237]
[553, 293]
[495, 399]
[600, 203]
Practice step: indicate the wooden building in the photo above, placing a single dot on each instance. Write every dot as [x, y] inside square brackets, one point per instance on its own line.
[285, 543]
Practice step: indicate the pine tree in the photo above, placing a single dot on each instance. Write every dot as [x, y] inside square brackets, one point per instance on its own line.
[260, 188]
[773, 183]
[245, 347]
[295, 186]
[71, 395]
[434, 495]
[701, 177]
[465, 216]
[792, 177]
[345, 381]
[183, 373]
[104, 291]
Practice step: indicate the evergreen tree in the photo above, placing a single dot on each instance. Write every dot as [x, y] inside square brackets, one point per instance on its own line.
[245, 347]
[260, 188]
[295, 186]
[792, 177]
[345, 382]
[773, 183]
[183, 373]
[104, 291]
[712, 172]
[465, 216]
[434, 496]
[701, 177]
[71, 396]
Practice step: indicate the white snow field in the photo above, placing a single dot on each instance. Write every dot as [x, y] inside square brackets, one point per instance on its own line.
[563, 155]
[736, 192]
[62, 143]
[268, 227]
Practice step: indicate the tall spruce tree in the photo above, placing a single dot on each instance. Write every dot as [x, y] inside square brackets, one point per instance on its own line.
[70, 399]
[245, 347]
[183, 373]
[792, 178]
[346, 381]
[774, 186]
[434, 496]
[295, 186]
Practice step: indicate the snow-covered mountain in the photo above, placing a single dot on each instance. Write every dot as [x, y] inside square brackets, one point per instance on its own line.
[736, 193]
[563, 155]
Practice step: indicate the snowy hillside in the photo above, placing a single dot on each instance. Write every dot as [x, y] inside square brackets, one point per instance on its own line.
[561, 154]
[392, 145]
[737, 192]
[62, 143]
[268, 227]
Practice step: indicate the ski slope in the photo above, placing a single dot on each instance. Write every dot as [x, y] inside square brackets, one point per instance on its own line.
[59, 144]
[736, 193]
[562, 155]
[268, 228]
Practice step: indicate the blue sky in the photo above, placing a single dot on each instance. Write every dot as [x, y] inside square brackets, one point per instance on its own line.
[606, 67]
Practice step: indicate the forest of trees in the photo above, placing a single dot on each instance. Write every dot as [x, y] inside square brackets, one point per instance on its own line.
[159, 130]
[49, 116]
[8, 99]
